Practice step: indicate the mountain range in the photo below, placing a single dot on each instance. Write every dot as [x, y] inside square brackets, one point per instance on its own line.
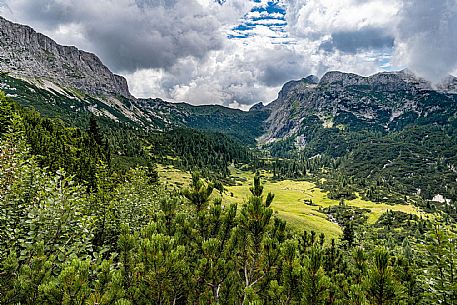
[386, 120]
[66, 82]
[385, 101]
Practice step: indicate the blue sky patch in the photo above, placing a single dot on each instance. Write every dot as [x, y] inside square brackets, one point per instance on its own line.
[267, 17]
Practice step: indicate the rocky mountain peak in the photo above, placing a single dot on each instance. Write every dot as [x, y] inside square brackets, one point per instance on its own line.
[340, 79]
[381, 101]
[257, 107]
[26, 53]
[383, 81]
[295, 86]
[311, 79]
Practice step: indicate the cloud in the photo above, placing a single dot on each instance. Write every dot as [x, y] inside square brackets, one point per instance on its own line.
[366, 38]
[315, 18]
[243, 73]
[130, 35]
[420, 33]
[240, 74]
[426, 39]
[178, 49]
[239, 52]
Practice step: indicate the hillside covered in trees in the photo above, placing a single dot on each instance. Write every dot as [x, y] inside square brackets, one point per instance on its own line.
[78, 229]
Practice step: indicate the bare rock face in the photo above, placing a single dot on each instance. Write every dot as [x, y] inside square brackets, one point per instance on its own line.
[26, 53]
[281, 122]
[384, 81]
[383, 101]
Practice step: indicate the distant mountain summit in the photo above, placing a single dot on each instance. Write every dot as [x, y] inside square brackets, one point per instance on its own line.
[383, 101]
[385, 81]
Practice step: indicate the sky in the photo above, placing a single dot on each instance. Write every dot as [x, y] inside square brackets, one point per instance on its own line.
[240, 52]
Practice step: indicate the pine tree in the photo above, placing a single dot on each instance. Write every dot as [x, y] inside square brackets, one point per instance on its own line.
[198, 194]
[315, 282]
[348, 234]
[255, 217]
[381, 285]
[94, 131]
[441, 259]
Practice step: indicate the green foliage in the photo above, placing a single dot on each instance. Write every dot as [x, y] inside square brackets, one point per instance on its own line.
[440, 279]
[164, 251]
[403, 156]
[74, 229]
[244, 126]
[6, 111]
[414, 156]
[381, 285]
[210, 153]
[199, 193]
[345, 215]
[315, 281]
[42, 208]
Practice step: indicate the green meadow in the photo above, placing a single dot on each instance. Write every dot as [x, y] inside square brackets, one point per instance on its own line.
[289, 202]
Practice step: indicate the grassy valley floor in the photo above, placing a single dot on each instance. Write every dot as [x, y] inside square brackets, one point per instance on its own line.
[289, 200]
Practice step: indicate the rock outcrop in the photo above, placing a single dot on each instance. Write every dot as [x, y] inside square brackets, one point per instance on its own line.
[384, 81]
[384, 101]
[26, 53]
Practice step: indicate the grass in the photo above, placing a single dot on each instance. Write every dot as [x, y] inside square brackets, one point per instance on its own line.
[172, 178]
[289, 200]
[288, 203]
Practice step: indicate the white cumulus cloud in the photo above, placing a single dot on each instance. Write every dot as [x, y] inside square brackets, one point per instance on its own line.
[239, 52]
[427, 39]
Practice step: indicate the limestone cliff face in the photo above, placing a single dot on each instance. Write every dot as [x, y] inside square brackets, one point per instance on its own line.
[384, 101]
[282, 122]
[385, 81]
[26, 53]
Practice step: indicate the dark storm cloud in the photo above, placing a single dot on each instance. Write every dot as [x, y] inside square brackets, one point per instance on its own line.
[365, 39]
[130, 35]
[426, 37]
[281, 65]
[48, 14]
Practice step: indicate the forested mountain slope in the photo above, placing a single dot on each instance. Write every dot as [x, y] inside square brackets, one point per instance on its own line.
[391, 125]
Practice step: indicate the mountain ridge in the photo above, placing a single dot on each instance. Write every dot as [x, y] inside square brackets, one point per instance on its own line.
[383, 101]
[379, 100]
[64, 81]
[27, 53]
